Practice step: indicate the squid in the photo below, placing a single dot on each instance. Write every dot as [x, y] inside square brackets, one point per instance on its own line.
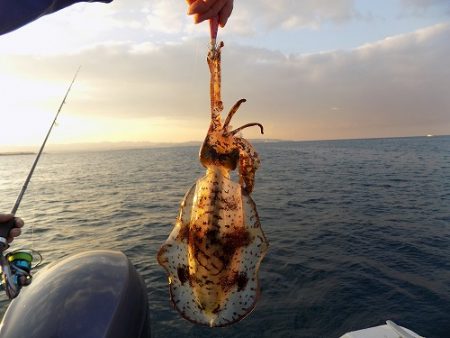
[213, 254]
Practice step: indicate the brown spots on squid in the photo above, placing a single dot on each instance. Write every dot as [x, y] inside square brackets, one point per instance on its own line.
[242, 281]
[203, 202]
[183, 234]
[238, 279]
[183, 274]
[227, 282]
[216, 309]
[232, 241]
[230, 203]
[213, 249]
[212, 236]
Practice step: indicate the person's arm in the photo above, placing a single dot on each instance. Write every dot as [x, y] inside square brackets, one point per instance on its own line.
[16, 13]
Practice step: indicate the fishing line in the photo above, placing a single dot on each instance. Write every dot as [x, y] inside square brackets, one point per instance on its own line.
[25, 185]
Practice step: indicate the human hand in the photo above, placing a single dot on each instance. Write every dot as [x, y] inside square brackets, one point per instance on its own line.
[16, 231]
[208, 9]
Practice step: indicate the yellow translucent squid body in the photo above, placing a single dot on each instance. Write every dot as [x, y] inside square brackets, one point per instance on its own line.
[213, 254]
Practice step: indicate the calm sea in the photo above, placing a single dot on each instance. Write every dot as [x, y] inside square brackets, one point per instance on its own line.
[359, 230]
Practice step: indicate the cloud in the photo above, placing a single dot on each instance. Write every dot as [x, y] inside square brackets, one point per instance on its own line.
[252, 16]
[166, 16]
[293, 14]
[425, 3]
[169, 16]
[156, 17]
[394, 87]
[419, 6]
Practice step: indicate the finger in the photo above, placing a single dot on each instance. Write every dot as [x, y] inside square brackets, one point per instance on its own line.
[200, 6]
[5, 217]
[212, 11]
[15, 232]
[203, 6]
[19, 222]
[225, 13]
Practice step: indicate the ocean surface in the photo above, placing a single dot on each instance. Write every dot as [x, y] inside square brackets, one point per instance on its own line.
[359, 230]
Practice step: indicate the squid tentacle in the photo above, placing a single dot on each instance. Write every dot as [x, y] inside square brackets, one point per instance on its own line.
[232, 112]
[234, 132]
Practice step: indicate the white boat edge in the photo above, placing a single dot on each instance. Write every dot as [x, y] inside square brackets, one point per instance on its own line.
[390, 330]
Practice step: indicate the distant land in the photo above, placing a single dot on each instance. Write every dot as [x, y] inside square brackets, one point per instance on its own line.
[16, 153]
[105, 146]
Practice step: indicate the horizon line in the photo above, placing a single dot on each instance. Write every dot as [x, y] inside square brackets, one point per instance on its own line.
[131, 145]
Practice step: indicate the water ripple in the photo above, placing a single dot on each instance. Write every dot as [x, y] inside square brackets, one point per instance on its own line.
[359, 230]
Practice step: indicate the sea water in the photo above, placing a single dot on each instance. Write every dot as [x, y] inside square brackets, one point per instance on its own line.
[359, 230]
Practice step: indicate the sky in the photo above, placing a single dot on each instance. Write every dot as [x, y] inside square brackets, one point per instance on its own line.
[310, 70]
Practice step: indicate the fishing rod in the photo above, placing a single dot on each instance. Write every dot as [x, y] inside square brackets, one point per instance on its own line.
[15, 267]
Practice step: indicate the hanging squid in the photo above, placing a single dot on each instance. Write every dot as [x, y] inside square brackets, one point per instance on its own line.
[213, 254]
